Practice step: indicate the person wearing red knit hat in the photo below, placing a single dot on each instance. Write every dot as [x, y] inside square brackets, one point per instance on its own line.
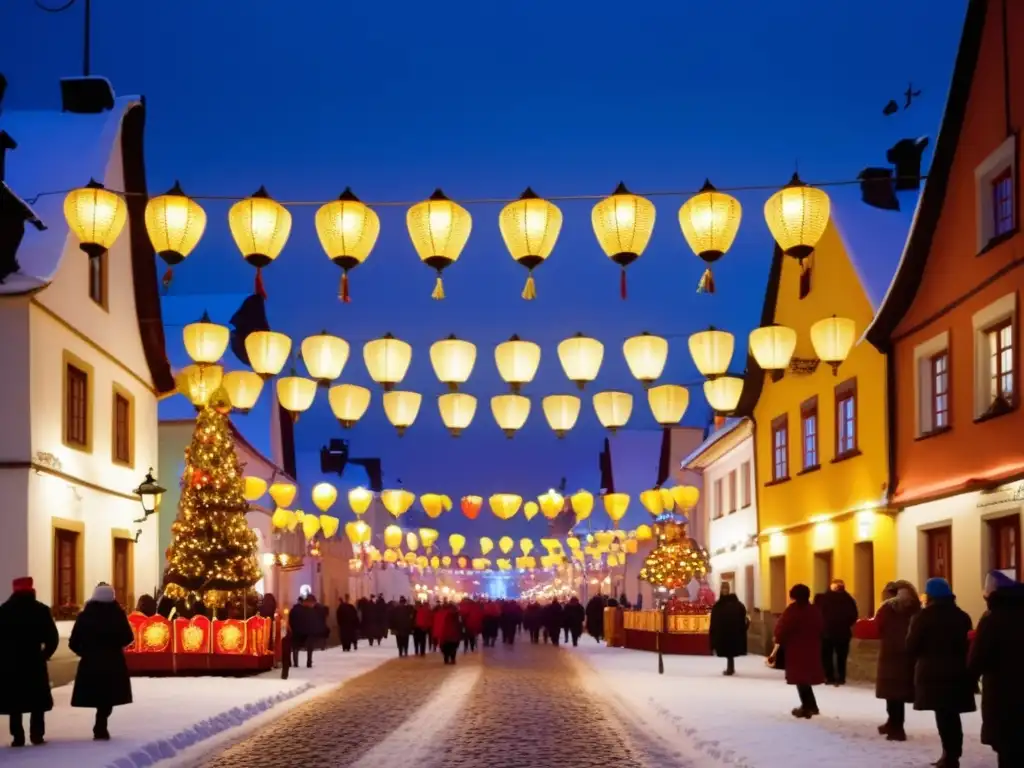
[28, 638]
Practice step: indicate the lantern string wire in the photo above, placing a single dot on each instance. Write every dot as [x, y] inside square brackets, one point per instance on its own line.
[504, 200]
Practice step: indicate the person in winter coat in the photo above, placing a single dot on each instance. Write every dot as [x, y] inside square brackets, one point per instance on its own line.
[302, 623]
[572, 619]
[728, 632]
[552, 617]
[799, 631]
[28, 638]
[937, 642]
[401, 619]
[995, 657]
[348, 624]
[839, 611]
[492, 622]
[533, 619]
[511, 618]
[99, 637]
[448, 631]
[595, 617]
[473, 623]
[423, 622]
[380, 619]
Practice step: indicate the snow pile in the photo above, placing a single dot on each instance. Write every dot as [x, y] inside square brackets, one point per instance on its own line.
[745, 721]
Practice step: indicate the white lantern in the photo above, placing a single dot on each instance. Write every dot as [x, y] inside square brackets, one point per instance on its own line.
[348, 403]
[453, 360]
[243, 388]
[646, 356]
[723, 393]
[773, 346]
[295, 393]
[581, 358]
[401, 408]
[205, 340]
[668, 403]
[833, 339]
[457, 411]
[387, 360]
[268, 352]
[712, 351]
[510, 411]
[613, 409]
[325, 357]
[517, 362]
[561, 411]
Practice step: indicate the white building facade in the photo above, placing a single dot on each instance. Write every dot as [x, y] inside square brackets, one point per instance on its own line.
[84, 364]
[729, 502]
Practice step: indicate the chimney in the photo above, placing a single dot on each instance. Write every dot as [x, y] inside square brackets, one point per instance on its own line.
[6, 142]
[719, 421]
[86, 95]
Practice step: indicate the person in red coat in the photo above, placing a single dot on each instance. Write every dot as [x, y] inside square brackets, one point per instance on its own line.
[422, 625]
[473, 622]
[448, 632]
[799, 631]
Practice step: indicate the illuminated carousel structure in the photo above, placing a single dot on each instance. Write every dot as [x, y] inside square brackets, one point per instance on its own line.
[199, 645]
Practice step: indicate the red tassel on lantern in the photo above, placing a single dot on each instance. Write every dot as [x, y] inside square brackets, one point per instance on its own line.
[622, 285]
[167, 278]
[260, 290]
[343, 290]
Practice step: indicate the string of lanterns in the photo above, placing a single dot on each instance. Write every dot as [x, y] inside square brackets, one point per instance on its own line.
[439, 227]
[388, 359]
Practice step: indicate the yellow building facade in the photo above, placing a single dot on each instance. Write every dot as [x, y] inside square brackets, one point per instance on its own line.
[821, 440]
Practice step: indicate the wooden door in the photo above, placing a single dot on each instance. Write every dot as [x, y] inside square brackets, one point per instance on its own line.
[1004, 538]
[123, 572]
[748, 588]
[822, 571]
[939, 543]
[65, 568]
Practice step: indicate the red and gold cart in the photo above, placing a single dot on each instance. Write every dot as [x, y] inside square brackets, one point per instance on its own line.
[199, 645]
[681, 630]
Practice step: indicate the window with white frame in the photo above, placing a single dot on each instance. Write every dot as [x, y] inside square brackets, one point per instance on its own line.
[995, 187]
[932, 385]
[995, 357]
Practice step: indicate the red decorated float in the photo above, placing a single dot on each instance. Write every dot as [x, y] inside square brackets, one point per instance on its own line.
[199, 645]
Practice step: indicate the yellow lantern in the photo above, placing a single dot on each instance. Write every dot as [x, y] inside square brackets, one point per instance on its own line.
[833, 339]
[401, 408]
[422, 561]
[581, 358]
[623, 224]
[668, 403]
[505, 544]
[723, 393]
[205, 340]
[329, 525]
[364, 532]
[652, 501]
[486, 545]
[773, 346]
[268, 352]
[390, 556]
[504, 564]
[457, 411]
[710, 220]
[686, 496]
[243, 388]
[412, 543]
[439, 229]
[410, 558]
[616, 504]
[428, 537]
[324, 495]
[397, 502]
[359, 500]
[530, 228]
[260, 226]
[198, 383]
[797, 216]
[295, 394]
[255, 487]
[433, 504]
[392, 537]
[613, 409]
[551, 545]
[282, 518]
[526, 545]
[435, 562]
[348, 403]
[582, 504]
[96, 216]
[348, 230]
[295, 519]
[387, 360]
[644, 533]
[283, 493]
[325, 357]
[712, 351]
[175, 223]
[573, 542]
[310, 525]
[517, 362]
[353, 533]
[510, 411]
[551, 503]
[480, 564]
[604, 540]
[453, 360]
[530, 509]
[646, 356]
[457, 541]
[446, 560]
[561, 411]
[505, 505]
[667, 499]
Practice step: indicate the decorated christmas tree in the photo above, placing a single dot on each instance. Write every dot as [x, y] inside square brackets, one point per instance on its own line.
[213, 552]
[677, 559]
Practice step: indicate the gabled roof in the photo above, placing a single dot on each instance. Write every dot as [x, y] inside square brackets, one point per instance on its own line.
[903, 289]
[717, 442]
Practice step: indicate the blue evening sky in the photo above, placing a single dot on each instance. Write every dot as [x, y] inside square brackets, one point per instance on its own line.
[483, 99]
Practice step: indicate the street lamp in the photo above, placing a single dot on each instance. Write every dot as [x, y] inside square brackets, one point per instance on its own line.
[149, 493]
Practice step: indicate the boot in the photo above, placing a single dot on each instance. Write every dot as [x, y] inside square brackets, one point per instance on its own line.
[896, 733]
[883, 729]
[18, 742]
[942, 761]
[802, 713]
[100, 734]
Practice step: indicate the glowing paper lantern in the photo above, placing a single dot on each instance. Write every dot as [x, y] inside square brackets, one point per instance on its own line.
[561, 411]
[435, 562]
[486, 545]
[353, 533]
[646, 356]
[652, 501]
[282, 518]
[393, 537]
[96, 216]
[348, 230]
[433, 504]
[310, 525]
[530, 227]
[255, 487]
[453, 360]
[773, 346]
[505, 544]
[324, 495]
[797, 216]
[295, 394]
[283, 493]
[397, 502]
[644, 533]
[175, 223]
[260, 226]
[428, 537]
[348, 403]
[401, 408]
[439, 229]
[329, 525]
[526, 545]
[686, 496]
[470, 506]
[623, 224]
[667, 500]
[268, 352]
[723, 393]
[411, 558]
[457, 411]
[422, 562]
[581, 358]
[616, 504]
[446, 560]
[198, 383]
[833, 339]
[710, 220]
[243, 389]
[456, 541]
[510, 412]
[205, 340]
[573, 542]
[582, 504]
[325, 357]
[530, 509]
[359, 500]
[412, 542]
[551, 503]
[517, 362]
[505, 505]
[390, 556]
[712, 351]
[387, 360]
[613, 409]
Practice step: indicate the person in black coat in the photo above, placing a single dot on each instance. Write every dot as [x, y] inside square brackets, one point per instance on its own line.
[302, 621]
[401, 618]
[533, 620]
[552, 617]
[573, 616]
[996, 658]
[348, 624]
[28, 638]
[839, 610]
[99, 637]
[728, 632]
[595, 617]
[937, 642]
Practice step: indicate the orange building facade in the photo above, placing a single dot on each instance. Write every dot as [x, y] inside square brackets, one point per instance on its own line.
[950, 325]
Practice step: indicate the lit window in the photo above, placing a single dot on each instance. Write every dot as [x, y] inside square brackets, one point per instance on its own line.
[940, 390]
[780, 449]
[1000, 350]
[1002, 203]
[846, 419]
[809, 429]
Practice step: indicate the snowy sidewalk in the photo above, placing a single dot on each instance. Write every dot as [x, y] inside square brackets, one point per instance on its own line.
[174, 720]
[745, 721]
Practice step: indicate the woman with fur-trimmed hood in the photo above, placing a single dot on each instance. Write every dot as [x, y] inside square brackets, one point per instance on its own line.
[894, 680]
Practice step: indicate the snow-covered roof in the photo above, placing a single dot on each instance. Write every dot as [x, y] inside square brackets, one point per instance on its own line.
[719, 434]
[57, 152]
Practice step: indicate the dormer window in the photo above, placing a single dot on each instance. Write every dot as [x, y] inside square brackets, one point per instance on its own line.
[995, 184]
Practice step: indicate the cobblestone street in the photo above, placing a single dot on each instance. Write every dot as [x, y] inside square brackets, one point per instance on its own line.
[518, 707]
